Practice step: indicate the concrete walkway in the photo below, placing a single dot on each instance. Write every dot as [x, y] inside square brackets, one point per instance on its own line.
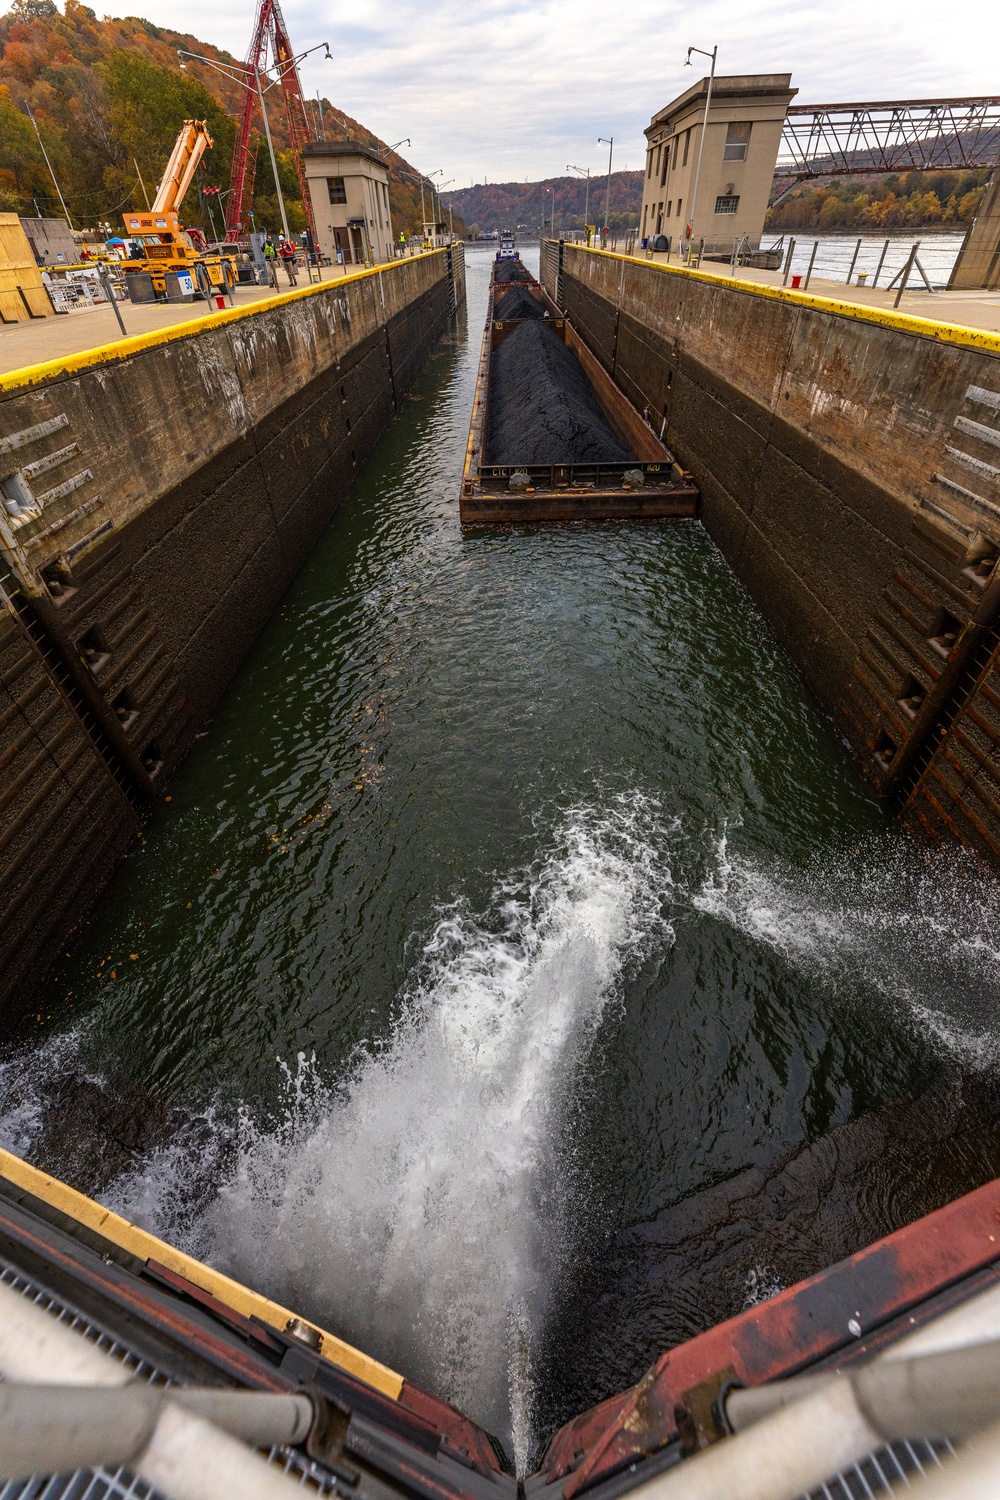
[962, 309]
[37, 341]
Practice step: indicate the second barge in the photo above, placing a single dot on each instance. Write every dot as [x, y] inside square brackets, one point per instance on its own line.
[552, 438]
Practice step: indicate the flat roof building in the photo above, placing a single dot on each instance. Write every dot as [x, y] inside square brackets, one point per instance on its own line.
[745, 119]
[349, 189]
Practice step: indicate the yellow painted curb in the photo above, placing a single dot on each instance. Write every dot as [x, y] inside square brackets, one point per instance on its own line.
[943, 333]
[72, 364]
[146, 1246]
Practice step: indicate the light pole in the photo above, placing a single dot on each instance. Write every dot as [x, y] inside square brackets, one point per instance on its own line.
[607, 197]
[438, 172]
[451, 220]
[704, 131]
[233, 74]
[584, 172]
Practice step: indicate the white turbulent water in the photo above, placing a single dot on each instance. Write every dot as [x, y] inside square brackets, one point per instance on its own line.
[919, 932]
[421, 1203]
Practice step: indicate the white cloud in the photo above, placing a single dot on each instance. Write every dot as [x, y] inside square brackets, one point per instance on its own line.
[508, 89]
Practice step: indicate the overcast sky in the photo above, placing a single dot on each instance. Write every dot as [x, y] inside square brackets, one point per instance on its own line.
[505, 90]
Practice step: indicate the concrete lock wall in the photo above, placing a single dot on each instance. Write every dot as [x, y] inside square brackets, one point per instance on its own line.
[849, 466]
[170, 487]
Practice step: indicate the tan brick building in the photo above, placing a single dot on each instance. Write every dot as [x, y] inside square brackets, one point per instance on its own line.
[745, 119]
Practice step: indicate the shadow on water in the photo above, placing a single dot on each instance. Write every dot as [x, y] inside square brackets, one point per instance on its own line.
[519, 977]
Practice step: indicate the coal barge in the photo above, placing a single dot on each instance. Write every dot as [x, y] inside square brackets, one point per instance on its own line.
[552, 437]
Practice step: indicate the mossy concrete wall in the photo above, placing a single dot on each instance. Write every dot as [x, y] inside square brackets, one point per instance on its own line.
[849, 467]
[180, 480]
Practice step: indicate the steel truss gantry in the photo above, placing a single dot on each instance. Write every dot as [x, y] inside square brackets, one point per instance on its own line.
[270, 50]
[902, 135]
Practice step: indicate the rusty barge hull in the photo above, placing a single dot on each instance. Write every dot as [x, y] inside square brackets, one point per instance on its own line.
[569, 492]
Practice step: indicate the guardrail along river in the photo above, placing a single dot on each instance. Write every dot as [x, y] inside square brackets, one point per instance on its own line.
[518, 977]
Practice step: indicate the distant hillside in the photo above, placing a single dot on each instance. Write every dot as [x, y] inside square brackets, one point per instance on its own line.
[505, 205]
[109, 97]
[869, 201]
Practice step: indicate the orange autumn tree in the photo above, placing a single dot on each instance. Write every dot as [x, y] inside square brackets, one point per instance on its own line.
[109, 97]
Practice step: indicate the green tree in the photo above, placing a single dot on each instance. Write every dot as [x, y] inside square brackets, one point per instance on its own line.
[146, 107]
[20, 153]
[33, 10]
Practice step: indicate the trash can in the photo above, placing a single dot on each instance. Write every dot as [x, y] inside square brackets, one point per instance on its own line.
[645, 241]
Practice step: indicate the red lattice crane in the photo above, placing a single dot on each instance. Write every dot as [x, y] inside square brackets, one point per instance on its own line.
[270, 37]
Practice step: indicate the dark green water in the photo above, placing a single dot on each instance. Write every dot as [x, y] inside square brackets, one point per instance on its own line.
[516, 892]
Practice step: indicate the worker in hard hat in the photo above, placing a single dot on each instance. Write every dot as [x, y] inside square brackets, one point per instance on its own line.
[286, 253]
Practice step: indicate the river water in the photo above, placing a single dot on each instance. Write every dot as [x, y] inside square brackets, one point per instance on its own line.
[516, 903]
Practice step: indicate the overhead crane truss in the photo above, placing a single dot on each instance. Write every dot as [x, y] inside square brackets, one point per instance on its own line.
[269, 48]
[902, 135]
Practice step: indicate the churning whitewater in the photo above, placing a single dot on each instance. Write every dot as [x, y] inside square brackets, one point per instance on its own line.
[914, 932]
[420, 1206]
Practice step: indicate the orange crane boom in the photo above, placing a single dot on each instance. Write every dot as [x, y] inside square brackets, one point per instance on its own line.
[189, 148]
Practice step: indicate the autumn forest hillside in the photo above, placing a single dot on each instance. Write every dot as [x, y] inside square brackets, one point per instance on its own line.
[109, 97]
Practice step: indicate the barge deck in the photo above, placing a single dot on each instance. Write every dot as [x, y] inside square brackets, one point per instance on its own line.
[648, 484]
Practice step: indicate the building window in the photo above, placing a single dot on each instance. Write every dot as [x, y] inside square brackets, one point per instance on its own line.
[649, 162]
[737, 141]
[728, 203]
[670, 208]
[679, 203]
[335, 187]
[666, 164]
[687, 143]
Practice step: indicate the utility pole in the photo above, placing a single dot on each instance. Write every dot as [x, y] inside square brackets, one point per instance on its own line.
[55, 184]
[274, 164]
[601, 141]
[704, 131]
[141, 183]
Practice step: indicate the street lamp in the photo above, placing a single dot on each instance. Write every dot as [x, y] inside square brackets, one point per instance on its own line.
[607, 198]
[583, 172]
[451, 217]
[704, 131]
[438, 172]
[232, 72]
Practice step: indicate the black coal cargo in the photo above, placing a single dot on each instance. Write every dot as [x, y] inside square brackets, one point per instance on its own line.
[518, 303]
[511, 270]
[542, 407]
